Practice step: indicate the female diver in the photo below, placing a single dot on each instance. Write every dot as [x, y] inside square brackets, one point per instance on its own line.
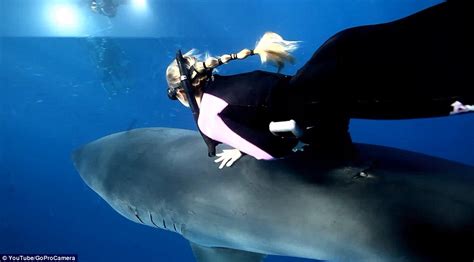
[419, 66]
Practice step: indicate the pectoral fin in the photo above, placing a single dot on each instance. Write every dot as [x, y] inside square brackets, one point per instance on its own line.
[220, 254]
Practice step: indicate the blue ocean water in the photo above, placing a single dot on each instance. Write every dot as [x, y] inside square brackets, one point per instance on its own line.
[67, 80]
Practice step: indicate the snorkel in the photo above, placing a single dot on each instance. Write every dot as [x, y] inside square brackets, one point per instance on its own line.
[185, 79]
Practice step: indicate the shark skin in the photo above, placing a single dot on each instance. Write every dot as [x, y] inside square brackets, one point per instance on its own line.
[388, 205]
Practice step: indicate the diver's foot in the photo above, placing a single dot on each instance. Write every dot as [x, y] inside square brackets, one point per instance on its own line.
[458, 108]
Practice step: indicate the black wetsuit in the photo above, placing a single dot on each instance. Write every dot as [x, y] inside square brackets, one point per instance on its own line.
[250, 108]
[413, 67]
[410, 68]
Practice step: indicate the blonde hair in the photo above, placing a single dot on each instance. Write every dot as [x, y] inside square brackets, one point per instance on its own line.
[271, 48]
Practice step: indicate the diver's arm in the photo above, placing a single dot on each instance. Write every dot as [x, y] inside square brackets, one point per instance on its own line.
[262, 138]
[213, 126]
[222, 133]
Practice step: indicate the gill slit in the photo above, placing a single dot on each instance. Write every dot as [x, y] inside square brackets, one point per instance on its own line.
[136, 215]
[151, 219]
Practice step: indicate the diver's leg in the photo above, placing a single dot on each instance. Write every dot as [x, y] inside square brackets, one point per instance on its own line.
[330, 137]
[413, 67]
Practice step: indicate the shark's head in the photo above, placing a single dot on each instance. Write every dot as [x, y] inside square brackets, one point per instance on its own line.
[162, 178]
[140, 185]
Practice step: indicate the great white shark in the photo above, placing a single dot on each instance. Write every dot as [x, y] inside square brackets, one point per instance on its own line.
[388, 205]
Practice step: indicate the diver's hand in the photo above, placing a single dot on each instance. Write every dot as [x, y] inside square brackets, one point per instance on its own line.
[228, 157]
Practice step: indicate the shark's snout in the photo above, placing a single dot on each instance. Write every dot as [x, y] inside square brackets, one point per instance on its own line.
[77, 158]
[89, 163]
[83, 160]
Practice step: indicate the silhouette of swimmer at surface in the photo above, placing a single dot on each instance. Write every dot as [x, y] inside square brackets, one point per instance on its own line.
[112, 65]
[106, 7]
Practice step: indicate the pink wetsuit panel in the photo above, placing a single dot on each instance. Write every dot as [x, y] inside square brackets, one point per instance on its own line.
[214, 127]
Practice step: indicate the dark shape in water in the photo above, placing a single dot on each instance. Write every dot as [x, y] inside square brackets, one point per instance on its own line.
[111, 64]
